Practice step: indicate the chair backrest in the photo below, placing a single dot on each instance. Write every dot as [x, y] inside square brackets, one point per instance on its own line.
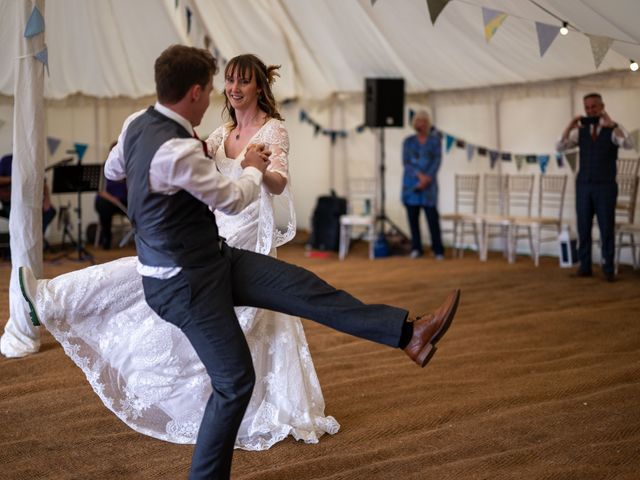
[551, 196]
[494, 191]
[466, 193]
[627, 198]
[628, 166]
[361, 197]
[519, 195]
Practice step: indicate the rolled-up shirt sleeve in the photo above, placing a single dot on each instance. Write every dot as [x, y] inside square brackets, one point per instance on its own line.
[570, 142]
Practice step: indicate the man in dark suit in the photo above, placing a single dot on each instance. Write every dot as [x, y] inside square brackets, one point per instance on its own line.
[192, 279]
[598, 138]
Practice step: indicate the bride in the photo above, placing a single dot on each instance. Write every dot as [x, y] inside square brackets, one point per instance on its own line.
[143, 368]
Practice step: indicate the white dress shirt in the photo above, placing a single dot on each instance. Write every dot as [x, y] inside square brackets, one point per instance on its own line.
[572, 140]
[180, 164]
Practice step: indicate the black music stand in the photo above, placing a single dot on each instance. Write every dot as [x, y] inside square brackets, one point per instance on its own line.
[78, 179]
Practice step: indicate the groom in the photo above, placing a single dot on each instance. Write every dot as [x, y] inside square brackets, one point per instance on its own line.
[193, 279]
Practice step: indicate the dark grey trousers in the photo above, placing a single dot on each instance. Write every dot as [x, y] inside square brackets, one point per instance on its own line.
[200, 302]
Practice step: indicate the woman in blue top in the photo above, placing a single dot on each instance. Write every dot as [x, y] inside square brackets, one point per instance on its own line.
[421, 156]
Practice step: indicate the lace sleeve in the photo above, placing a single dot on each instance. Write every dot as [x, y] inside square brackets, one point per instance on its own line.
[215, 140]
[277, 137]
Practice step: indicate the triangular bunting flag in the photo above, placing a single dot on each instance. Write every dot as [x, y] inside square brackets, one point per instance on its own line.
[435, 8]
[460, 143]
[599, 47]
[492, 21]
[543, 161]
[635, 136]
[2, 122]
[559, 159]
[43, 56]
[81, 148]
[177, 1]
[531, 158]
[189, 13]
[546, 35]
[449, 141]
[482, 151]
[35, 24]
[412, 113]
[470, 151]
[373, 2]
[571, 157]
[519, 161]
[53, 144]
[493, 157]
[505, 156]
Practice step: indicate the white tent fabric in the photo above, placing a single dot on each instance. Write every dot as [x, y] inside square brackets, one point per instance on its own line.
[106, 48]
[20, 337]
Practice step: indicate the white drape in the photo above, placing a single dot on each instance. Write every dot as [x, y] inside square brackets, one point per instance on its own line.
[20, 337]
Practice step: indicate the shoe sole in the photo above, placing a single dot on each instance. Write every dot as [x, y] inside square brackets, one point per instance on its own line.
[430, 348]
[32, 310]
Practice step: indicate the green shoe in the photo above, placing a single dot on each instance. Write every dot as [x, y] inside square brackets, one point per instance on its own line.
[28, 286]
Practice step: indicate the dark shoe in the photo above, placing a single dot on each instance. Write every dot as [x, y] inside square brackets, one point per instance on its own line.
[429, 329]
[609, 277]
[582, 273]
[29, 287]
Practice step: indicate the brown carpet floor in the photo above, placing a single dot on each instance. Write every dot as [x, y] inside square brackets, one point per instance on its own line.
[538, 378]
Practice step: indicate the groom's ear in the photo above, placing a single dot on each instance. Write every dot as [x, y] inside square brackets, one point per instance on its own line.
[194, 92]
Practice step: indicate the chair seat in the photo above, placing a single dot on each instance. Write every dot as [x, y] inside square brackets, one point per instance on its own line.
[363, 220]
[534, 221]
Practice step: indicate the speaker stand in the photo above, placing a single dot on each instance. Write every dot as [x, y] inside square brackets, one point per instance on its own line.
[381, 219]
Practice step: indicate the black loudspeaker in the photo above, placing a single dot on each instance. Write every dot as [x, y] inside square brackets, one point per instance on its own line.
[384, 102]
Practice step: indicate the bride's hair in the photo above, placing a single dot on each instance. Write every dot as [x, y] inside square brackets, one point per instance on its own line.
[250, 66]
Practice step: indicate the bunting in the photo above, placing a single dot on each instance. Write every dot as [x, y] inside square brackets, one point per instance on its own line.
[449, 139]
[505, 156]
[559, 159]
[599, 48]
[531, 158]
[2, 122]
[546, 35]
[572, 158]
[519, 161]
[492, 21]
[493, 157]
[43, 56]
[373, 2]
[543, 161]
[53, 144]
[435, 8]
[80, 149]
[35, 24]
[470, 151]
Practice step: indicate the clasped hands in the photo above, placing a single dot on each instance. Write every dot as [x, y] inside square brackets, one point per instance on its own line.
[423, 181]
[257, 156]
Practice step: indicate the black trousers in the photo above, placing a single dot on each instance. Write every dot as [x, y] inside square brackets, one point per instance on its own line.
[599, 199]
[106, 210]
[433, 220]
[200, 302]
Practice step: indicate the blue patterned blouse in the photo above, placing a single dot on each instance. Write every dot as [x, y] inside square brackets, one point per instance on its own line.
[425, 158]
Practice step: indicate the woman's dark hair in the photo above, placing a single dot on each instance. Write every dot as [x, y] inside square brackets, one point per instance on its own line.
[249, 66]
[178, 68]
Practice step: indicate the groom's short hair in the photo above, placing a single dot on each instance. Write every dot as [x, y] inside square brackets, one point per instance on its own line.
[178, 68]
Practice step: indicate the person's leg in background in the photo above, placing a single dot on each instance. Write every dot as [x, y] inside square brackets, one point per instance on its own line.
[105, 210]
[584, 215]
[47, 216]
[413, 215]
[433, 220]
[605, 196]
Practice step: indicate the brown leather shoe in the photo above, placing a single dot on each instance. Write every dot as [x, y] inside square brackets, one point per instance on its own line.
[429, 329]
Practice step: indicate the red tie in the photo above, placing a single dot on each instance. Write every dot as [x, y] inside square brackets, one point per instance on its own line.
[204, 144]
[594, 132]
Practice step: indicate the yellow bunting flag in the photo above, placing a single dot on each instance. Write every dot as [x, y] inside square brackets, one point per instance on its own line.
[492, 21]
[599, 47]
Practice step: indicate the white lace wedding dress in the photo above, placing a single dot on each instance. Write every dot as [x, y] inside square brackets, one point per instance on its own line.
[145, 370]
